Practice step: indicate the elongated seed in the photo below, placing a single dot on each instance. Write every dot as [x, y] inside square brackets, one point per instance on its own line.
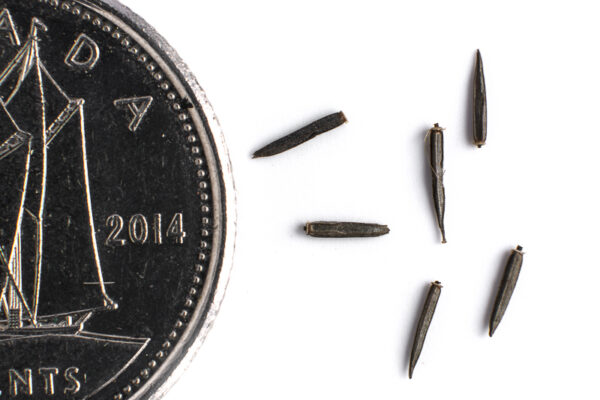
[423, 325]
[507, 287]
[436, 161]
[479, 104]
[344, 229]
[302, 135]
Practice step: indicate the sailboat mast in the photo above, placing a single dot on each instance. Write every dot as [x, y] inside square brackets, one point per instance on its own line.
[30, 85]
[39, 218]
[16, 302]
[15, 313]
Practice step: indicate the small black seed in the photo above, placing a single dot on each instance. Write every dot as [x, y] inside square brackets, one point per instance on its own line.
[479, 104]
[344, 229]
[186, 103]
[507, 287]
[435, 138]
[302, 135]
[423, 325]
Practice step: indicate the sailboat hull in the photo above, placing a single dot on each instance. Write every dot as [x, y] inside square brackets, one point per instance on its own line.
[69, 324]
[74, 361]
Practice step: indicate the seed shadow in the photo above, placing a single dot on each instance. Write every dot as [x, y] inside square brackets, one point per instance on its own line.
[502, 257]
[405, 360]
[470, 104]
[422, 142]
[300, 229]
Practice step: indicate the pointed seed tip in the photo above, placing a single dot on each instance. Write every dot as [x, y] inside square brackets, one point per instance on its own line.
[493, 327]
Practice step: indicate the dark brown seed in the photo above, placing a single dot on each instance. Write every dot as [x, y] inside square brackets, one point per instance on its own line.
[423, 325]
[436, 161]
[344, 229]
[302, 135]
[507, 287]
[479, 104]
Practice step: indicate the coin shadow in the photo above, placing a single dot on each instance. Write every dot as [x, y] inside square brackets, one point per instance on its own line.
[410, 334]
[485, 322]
[423, 141]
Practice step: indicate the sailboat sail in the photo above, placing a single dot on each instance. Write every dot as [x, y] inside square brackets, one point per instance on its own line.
[47, 234]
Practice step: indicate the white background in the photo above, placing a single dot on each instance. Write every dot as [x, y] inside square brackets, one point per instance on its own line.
[333, 319]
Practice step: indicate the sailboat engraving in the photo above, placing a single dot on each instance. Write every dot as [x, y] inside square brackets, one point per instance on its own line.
[47, 234]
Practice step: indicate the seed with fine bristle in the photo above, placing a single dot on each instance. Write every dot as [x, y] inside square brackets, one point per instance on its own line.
[344, 229]
[479, 104]
[302, 135]
[507, 287]
[423, 325]
[435, 137]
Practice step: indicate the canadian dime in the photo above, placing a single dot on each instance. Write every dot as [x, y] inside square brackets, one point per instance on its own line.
[116, 204]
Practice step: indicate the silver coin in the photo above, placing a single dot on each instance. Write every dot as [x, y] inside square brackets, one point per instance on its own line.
[116, 204]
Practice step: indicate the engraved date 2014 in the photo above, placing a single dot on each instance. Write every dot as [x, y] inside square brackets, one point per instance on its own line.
[138, 230]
